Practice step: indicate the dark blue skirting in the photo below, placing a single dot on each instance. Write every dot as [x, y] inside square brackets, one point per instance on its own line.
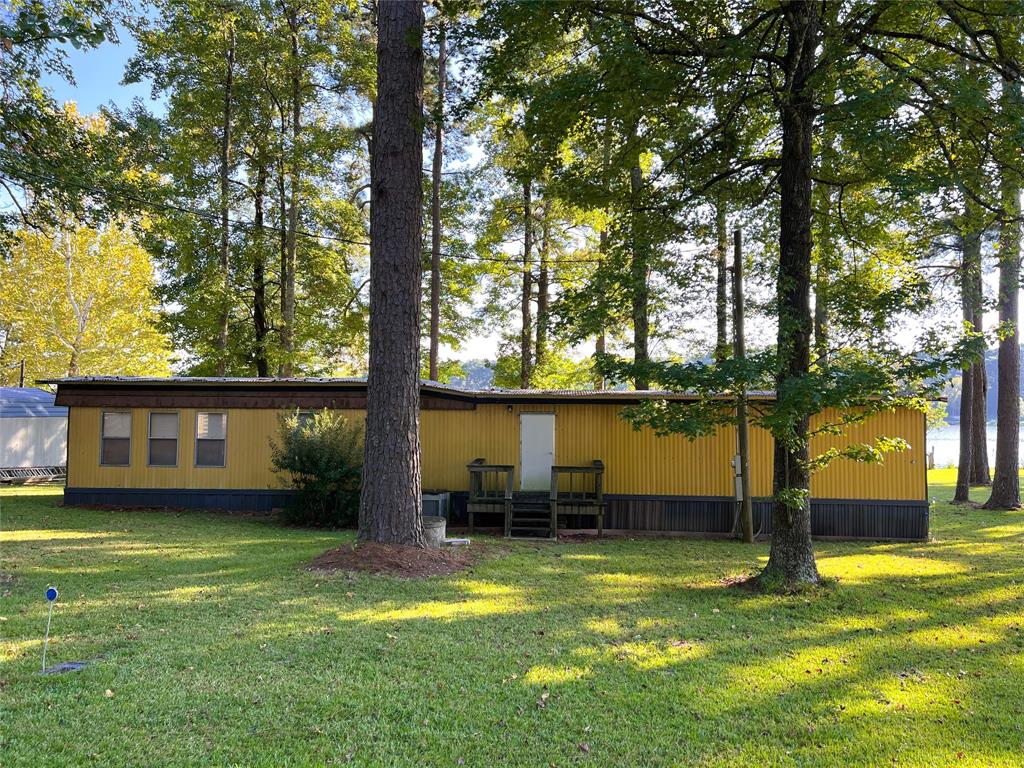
[708, 515]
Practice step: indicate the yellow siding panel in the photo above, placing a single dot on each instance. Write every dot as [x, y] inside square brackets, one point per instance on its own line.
[636, 461]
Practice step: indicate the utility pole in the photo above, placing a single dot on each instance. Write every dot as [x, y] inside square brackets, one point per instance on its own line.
[21, 374]
[746, 508]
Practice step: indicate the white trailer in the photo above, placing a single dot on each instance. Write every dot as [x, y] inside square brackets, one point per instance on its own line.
[33, 434]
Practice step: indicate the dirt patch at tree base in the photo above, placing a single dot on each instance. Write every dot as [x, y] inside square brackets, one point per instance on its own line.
[394, 560]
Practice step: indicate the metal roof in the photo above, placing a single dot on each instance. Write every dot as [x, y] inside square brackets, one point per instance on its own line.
[20, 402]
[427, 386]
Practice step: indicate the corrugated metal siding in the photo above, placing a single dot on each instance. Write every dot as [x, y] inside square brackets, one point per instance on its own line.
[33, 441]
[901, 476]
[637, 462]
[247, 463]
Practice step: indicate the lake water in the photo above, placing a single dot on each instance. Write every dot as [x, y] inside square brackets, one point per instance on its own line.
[946, 442]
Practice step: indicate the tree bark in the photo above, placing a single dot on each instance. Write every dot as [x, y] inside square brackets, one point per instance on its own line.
[820, 312]
[287, 367]
[979, 472]
[1006, 484]
[746, 505]
[390, 507]
[259, 277]
[963, 468]
[721, 296]
[639, 274]
[526, 337]
[543, 287]
[791, 560]
[282, 243]
[225, 202]
[435, 205]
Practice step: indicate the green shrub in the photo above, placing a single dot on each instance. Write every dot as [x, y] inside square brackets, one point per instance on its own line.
[321, 454]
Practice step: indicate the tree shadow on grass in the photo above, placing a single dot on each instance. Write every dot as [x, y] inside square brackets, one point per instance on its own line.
[221, 648]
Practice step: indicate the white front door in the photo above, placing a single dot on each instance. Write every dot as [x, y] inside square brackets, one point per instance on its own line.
[536, 450]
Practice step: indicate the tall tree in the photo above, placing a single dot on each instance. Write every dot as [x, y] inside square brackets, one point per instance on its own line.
[979, 391]
[78, 301]
[48, 160]
[965, 464]
[225, 195]
[543, 286]
[1006, 483]
[526, 295]
[792, 556]
[774, 68]
[295, 220]
[435, 201]
[390, 504]
[722, 346]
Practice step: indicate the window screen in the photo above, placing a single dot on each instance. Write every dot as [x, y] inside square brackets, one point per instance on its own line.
[116, 439]
[211, 438]
[163, 439]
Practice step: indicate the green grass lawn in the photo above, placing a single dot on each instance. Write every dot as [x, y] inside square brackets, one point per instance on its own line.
[213, 645]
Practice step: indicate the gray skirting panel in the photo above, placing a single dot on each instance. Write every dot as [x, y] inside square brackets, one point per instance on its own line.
[832, 518]
[709, 515]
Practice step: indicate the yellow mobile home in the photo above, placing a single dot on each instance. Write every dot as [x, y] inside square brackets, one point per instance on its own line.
[205, 442]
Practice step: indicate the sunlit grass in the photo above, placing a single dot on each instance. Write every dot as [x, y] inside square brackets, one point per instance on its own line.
[218, 647]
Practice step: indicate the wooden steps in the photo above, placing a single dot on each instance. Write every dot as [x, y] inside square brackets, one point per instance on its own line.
[530, 518]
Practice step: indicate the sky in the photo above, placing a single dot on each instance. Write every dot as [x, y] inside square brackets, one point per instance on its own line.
[98, 74]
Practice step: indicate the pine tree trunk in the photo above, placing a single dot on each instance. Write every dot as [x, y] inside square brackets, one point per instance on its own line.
[282, 229]
[225, 203]
[963, 468]
[435, 206]
[979, 474]
[526, 338]
[791, 560]
[259, 277]
[820, 312]
[721, 297]
[291, 245]
[1006, 485]
[722, 272]
[600, 348]
[543, 288]
[639, 275]
[822, 272]
[390, 508]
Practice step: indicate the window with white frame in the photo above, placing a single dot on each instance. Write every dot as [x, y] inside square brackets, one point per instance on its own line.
[116, 439]
[163, 439]
[211, 439]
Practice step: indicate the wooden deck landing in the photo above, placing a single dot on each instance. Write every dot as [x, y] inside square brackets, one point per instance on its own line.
[535, 514]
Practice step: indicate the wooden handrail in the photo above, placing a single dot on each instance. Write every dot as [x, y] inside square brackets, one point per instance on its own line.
[478, 468]
[596, 468]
